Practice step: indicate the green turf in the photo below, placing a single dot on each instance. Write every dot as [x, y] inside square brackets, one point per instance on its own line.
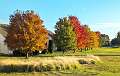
[97, 52]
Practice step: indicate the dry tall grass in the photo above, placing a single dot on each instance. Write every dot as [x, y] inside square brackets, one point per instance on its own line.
[47, 60]
[44, 63]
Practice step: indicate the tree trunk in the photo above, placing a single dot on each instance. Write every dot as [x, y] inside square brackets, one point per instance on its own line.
[63, 51]
[74, 50]
[27, 55]
[80, 49]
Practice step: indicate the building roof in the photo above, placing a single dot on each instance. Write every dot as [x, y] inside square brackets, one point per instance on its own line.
[50, 33]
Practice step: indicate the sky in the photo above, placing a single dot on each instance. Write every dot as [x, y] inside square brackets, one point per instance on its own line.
[100, 15]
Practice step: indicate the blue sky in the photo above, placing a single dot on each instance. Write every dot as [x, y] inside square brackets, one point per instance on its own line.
[100, 15]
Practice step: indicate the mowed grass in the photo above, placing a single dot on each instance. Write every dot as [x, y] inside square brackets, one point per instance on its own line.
[107, 63]
[96, 52]
[109, 66]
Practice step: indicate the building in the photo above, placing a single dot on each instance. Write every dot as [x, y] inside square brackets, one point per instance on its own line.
[51, 40]
[3, 46]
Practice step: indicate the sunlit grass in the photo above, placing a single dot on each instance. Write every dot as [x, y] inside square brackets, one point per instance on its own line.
[108, 66]
[97, 52]
[107, 63]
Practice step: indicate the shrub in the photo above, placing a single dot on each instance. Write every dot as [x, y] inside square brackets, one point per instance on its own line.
[49, 67]
[74, 66]
[38, 68]
[67, 67]
[83, 62]
[92, 62]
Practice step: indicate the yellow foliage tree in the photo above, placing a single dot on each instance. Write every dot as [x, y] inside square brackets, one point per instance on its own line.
[94, 40]
[26, 32]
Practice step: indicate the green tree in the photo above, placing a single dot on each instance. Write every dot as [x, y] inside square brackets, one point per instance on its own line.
[116, 41]
[104, 40]
[118, 35]
[65, 37]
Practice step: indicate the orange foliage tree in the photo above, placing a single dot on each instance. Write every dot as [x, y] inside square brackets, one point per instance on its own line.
[94, 39]
[26, 32]
[85, 37]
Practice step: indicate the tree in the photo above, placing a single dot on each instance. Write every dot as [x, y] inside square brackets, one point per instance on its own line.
[65, 37]
[98, 38]
[80, 31]
[26, 32]
[118, 35]
[104, 40]
[94, 39]
[88, 31]
[116, 41]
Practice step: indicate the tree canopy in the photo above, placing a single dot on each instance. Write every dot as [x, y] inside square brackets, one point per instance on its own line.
[26, 32]
[65, 37]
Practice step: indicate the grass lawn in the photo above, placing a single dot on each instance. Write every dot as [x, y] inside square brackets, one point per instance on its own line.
[97, 52]
[109, 64]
